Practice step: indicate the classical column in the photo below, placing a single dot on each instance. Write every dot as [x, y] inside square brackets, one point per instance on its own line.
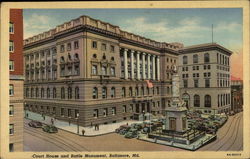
[153, 66]
[158, 67]
[125, 55]
[132, 63]
[143, 66]
[138, 64]
[148, 67]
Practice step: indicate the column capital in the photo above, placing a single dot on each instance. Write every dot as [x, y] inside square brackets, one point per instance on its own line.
[143, 53]
[132, 51]
[125, 49]
[153, 55]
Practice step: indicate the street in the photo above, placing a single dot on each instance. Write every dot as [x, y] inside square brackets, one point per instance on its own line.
[229, 138]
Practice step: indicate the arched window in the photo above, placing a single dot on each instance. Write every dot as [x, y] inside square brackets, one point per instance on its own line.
[195, 58]
[185, 60]
[77, 95]
[196, 100]
[130, 91]
[62, 93]
[104, 92]
[123, 92]
[112, 92]
[207, 101]
[142, 91]
[136, 91]
[32, 91]
[48, 93]
[69, 93]
[206, 57]
[37, 92]
[54, 92]
[42, 92]
[95, 93]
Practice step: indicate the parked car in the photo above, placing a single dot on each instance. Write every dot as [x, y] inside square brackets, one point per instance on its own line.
[132, 133]
[50, 129]
[145, 130]
[122, 127]
[35, 124]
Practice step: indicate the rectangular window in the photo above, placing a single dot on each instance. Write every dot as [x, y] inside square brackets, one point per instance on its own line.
[11, 65]
[62, 48]
[11, 129]
[11, 147]
[104, 47]
[185, 83]
[193, 74]
[197, 67]
[208, 67]
[112, 71]
[105, 112]
[62, 111]
[94, 69]
[95, 113]
[208, 74]
[94, 44]
[194, 67]
[196, 83]
[112, 48]
[11, 46]
[104, 70]
[76, 45]
[76, 113]
[124, 110]
[69, 113]
[113, 110]
[131, 108]
[205, 67]
[11, 29]
[68, 46]
[207, 83]
[205, 74]
[11, 111]
[11, 89]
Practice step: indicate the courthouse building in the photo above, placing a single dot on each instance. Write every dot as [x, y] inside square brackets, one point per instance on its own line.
[16, 80]
[205, 74]
[93, 71]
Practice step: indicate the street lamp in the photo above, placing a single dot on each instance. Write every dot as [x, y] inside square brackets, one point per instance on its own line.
[77, 115]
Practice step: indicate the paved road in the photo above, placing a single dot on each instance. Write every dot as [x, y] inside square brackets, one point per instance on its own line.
[37, 140]
[229, 138]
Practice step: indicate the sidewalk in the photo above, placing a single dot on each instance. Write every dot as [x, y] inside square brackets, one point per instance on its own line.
[89, 131]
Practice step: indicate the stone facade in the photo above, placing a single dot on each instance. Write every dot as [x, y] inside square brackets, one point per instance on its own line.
[237, 95]
[93, 70]
[205, 75]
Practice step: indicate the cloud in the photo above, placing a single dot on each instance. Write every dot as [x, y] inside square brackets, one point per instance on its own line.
[228, 26]
[36, 24]
[163, 31]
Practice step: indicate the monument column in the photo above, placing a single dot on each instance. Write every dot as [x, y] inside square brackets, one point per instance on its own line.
[158, 67]
[153, 67]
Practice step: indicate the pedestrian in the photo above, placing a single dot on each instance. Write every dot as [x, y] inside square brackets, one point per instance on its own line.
[27, 115]
[52, 121]
[83, 131]
[98, 127]
[43, 117]
[69, 121]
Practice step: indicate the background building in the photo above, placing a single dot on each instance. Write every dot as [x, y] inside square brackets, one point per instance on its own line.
[93, 71]
[205, 74]
[16, 80]
[237, 94]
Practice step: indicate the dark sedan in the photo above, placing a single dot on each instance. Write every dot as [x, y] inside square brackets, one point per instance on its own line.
[35, 124]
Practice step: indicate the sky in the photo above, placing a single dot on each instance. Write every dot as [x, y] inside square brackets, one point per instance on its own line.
[189, 26]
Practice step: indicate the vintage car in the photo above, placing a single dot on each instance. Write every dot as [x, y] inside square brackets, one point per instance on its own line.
[35, 124]
[50, 129]
[132, 133]
[122, 127]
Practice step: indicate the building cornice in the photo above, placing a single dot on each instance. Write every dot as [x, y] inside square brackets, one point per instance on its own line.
[205, 47]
